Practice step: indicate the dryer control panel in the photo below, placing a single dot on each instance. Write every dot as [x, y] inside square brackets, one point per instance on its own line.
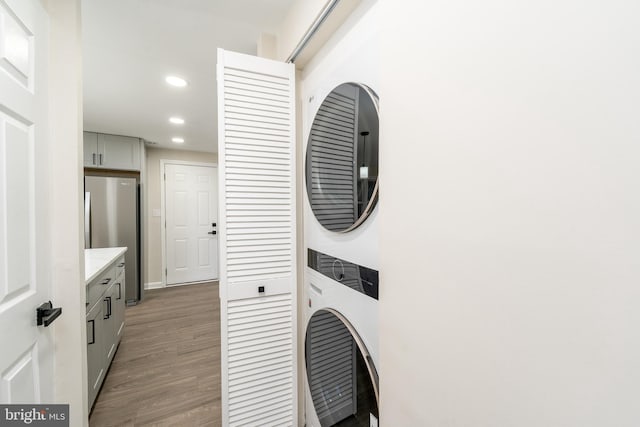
[354, 276]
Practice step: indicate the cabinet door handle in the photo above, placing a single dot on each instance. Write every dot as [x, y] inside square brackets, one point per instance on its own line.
[100, 155]
[93, 332]
[94, 158]
[119, 291]
[106, 281]
[108, 301]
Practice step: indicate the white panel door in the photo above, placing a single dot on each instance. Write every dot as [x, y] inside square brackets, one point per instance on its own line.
[191, 211]
[26, 355]
[256, 149]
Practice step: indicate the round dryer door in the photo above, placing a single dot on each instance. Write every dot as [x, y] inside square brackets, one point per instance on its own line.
[342, 158]
[342, 379]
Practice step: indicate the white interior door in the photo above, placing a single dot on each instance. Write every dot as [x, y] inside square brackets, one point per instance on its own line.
[26, 357]
[256, 149]
[191, 211]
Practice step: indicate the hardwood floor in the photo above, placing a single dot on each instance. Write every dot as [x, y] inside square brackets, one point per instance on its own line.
[167, 369]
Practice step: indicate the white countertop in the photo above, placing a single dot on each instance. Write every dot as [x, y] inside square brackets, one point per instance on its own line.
[97, 260]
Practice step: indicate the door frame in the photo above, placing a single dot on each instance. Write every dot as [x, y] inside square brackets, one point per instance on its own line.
[66, 214]
[163, 219]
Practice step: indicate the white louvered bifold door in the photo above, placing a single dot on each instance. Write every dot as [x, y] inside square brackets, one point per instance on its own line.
[256, 155]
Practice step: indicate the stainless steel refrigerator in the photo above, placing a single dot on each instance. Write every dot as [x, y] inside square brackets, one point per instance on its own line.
[112, 218]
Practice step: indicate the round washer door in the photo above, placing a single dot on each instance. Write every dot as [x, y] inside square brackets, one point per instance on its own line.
[341, 376]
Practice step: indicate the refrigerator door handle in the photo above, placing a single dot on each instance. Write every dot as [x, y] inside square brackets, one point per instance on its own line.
[87, 220]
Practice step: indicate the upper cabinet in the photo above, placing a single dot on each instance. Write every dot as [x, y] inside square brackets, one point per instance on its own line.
[111, 151]
[90, 140]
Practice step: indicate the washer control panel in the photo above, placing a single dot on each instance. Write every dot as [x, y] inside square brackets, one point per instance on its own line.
[354, 276]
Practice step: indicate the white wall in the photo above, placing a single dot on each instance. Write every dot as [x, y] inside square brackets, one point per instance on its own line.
[267, 46]
[66, 198]
[299, 19]
[152, 262]
[296, 23]
[510, 256]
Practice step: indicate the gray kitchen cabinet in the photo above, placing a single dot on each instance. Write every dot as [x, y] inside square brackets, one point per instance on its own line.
[119, 303]
[90, 143]
[95, 350]
[105, 323]
[109, 324]
[106, 151]
[114, 317]
[119, 152]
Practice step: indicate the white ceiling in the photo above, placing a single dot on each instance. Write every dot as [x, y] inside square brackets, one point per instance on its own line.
[129, 46]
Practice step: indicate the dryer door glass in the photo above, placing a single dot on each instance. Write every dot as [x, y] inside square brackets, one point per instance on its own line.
[341, 377]
[342, 158]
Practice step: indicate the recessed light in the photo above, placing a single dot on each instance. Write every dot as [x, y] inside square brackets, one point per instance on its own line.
[177, 140]
[176, 81]
[176, 120]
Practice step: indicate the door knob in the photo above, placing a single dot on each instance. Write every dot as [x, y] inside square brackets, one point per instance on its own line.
[212, 232]
[46, 314]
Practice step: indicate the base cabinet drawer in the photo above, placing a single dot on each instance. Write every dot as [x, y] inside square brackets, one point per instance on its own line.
[98, 287]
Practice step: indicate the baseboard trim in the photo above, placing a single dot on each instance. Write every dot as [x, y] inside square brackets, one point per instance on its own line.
[191, 283]
[153, 285]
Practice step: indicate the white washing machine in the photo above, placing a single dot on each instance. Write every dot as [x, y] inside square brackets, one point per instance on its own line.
[341, 343]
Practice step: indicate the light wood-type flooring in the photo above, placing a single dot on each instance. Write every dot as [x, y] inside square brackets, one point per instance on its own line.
[167, 369]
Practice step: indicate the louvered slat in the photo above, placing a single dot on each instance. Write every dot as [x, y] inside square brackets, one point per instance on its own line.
[252, 383]
[256, 153]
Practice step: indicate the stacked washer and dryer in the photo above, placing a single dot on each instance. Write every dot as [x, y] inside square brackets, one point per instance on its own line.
[341, 275]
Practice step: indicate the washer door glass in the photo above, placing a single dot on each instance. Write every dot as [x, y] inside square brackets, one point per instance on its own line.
[342, 158]
[341, 377]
